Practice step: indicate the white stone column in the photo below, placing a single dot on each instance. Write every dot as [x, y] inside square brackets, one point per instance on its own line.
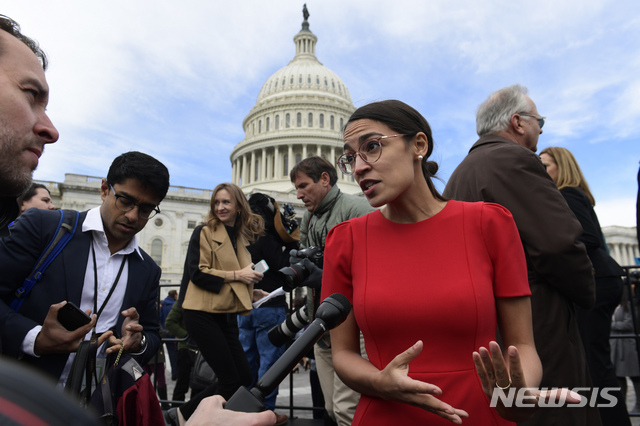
[319, 150]
[616, 253]
[291, 160]
[233, 172]
[277, 174]
[304, 151]
[263, 172]
[253, 166]
[244, 169]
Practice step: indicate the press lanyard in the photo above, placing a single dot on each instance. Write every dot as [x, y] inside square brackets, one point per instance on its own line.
[95, 287]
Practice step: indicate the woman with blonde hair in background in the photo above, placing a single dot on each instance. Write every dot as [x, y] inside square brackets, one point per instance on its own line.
[217, 285]
[594, 323]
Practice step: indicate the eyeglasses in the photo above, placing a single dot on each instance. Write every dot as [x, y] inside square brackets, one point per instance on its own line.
[126, 204]
[537, 117]
[369, 150]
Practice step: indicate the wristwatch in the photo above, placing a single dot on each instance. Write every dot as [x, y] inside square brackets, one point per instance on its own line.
[143, 343]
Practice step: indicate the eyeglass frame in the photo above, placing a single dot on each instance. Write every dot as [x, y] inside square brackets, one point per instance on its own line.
[537, 117]
[117, 196]
[341, 164]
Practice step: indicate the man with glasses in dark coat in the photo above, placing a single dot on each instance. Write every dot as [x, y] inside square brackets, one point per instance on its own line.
[502, 167]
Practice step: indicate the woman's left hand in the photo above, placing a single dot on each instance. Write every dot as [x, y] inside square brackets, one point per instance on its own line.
[259, 294]
[248, 276]
[495, 373]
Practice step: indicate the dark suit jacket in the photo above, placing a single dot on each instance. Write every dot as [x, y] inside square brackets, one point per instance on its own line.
[603, 263]
[560, 274]
[63, 280]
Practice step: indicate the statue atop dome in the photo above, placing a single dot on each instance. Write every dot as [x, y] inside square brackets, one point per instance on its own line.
[305, 12]
[305, 15]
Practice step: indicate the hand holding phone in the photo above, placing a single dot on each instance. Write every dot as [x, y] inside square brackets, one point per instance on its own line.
[261, 266]
[71, 317]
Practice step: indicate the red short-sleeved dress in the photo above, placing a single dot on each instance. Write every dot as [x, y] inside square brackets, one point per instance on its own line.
[435, 281]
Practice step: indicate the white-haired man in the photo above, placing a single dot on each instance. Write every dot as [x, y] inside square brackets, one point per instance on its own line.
[502, 168]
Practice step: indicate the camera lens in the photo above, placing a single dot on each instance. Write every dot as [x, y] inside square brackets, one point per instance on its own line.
[282, 333]
[293, 275]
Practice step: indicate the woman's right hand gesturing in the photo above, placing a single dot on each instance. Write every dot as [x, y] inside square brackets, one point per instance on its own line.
[248, 276]
[394, 384]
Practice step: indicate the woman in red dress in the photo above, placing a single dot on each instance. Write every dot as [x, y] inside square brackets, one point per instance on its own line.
[430, 282]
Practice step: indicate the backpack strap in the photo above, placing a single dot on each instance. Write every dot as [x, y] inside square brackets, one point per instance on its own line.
[62, 235]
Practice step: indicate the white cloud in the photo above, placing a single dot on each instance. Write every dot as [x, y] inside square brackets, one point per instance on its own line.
[177, 79]
[619, 211]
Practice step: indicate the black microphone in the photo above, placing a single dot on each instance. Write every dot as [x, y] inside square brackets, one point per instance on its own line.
[331, 313]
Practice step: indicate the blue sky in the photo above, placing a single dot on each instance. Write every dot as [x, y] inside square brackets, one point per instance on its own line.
[176, 79]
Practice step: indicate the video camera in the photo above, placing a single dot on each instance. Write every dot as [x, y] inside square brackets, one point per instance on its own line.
[295, 274]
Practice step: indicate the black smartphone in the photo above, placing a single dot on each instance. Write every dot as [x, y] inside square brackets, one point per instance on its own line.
[71, 317]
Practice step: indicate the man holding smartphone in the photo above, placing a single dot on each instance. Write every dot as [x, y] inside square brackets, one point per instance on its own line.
[101, 270]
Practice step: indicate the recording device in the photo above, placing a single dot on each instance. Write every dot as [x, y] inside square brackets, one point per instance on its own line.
[71, 317]
[292, 276]
[288, 215]
[282, 333]
[331, 312]
[289, 212]
[261, 266]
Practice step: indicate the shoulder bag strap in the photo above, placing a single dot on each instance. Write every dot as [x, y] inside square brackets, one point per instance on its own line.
[64, 232]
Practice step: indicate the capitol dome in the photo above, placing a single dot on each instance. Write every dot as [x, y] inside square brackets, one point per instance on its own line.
[299, 112]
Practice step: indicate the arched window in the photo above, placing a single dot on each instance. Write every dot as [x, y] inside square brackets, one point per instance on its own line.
[331, 123]
[309, 79]
[322, 121]
[300, 79]
[259, 126]
[310, 119]
[341, 123]
[287, 120]
[277, 122]
[285, 163]
[267, 124]
[156, 251]
[299, 119]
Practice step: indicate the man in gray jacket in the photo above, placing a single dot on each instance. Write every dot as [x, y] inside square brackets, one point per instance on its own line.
[315, 180]
[502, 168]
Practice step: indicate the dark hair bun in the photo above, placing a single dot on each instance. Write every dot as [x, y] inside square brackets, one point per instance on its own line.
[432, 167]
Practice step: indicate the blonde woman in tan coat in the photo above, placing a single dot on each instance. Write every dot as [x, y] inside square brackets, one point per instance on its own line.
[217, 286]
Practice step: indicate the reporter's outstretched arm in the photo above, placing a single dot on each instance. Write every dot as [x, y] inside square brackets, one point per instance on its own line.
[211, 412]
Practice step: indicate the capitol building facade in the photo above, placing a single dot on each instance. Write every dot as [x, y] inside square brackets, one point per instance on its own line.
[300, 111]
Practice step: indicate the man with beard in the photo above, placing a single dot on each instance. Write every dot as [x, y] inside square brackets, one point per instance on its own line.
[24, 125]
